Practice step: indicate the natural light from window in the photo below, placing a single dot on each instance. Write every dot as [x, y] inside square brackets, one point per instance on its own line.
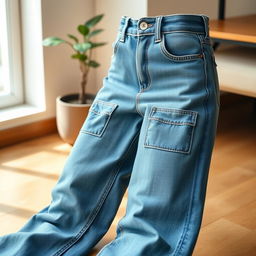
[1, 72]
[4, 72]
[22, 86]
[11, 81]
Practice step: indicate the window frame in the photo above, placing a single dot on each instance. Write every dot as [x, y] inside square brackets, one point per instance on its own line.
[11, 53]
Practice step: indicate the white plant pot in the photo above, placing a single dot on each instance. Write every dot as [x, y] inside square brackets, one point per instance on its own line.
[71, 116]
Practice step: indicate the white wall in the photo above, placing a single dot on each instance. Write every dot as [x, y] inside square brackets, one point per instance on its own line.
[62, 74]
[240, 7]
[113, 10]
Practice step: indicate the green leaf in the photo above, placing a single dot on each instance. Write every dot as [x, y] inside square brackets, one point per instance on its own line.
[73, 37]
[79, 56]
[93, 64]
[95, 32]
[82, 47]
[53, 41]
[97, 44]
[84, 30]
[93, 21]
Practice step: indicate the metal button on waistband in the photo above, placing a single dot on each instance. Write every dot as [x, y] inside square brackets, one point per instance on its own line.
[143, 25]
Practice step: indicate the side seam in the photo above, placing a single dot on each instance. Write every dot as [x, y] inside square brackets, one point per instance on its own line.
[184, 236]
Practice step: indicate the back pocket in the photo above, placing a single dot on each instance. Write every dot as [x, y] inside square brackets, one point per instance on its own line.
[170, 129]
[98, 118]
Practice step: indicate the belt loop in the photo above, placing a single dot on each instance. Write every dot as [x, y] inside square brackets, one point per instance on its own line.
[206, 25]
[122, 38]
[158, 29]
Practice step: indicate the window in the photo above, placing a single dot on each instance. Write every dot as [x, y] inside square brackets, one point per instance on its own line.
[11, 78]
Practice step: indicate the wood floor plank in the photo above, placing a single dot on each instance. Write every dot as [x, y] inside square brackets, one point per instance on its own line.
[229, 201]
[219, 182]
[244, 216]
[225, 238]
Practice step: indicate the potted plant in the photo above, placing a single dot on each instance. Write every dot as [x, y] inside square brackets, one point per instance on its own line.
[72, 109]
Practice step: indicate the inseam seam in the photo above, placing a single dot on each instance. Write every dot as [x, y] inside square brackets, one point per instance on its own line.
[102, 199]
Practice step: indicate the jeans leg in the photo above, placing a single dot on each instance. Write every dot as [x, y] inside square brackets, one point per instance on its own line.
[166, 192]
[95, 176]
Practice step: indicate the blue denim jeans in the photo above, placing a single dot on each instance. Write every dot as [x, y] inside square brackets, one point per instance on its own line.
[151, 130]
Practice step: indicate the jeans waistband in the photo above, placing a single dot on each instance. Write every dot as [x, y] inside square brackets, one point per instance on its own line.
[149, 25]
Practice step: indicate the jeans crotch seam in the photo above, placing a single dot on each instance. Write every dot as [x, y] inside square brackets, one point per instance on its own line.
[139, 81]
[184, 235]
[102, 199]
[136, 65]
[148, 75]
[144, 88]
[137, 103]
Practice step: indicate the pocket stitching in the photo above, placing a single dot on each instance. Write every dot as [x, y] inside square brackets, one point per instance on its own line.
[170, 122]
[113, 105]
[172, 110]
[175, 110]
[108, 113]
[102, 130]
[176, 57]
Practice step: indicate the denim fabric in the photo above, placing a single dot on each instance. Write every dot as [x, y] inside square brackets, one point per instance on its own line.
[151, 129]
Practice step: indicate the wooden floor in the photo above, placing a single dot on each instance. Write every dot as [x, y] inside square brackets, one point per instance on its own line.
[28, 172]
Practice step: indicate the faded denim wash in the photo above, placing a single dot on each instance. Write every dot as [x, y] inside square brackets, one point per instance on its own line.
[151, 129]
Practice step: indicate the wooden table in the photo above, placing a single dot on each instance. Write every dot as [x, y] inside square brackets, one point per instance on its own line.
[236, 30]
[236, 65]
